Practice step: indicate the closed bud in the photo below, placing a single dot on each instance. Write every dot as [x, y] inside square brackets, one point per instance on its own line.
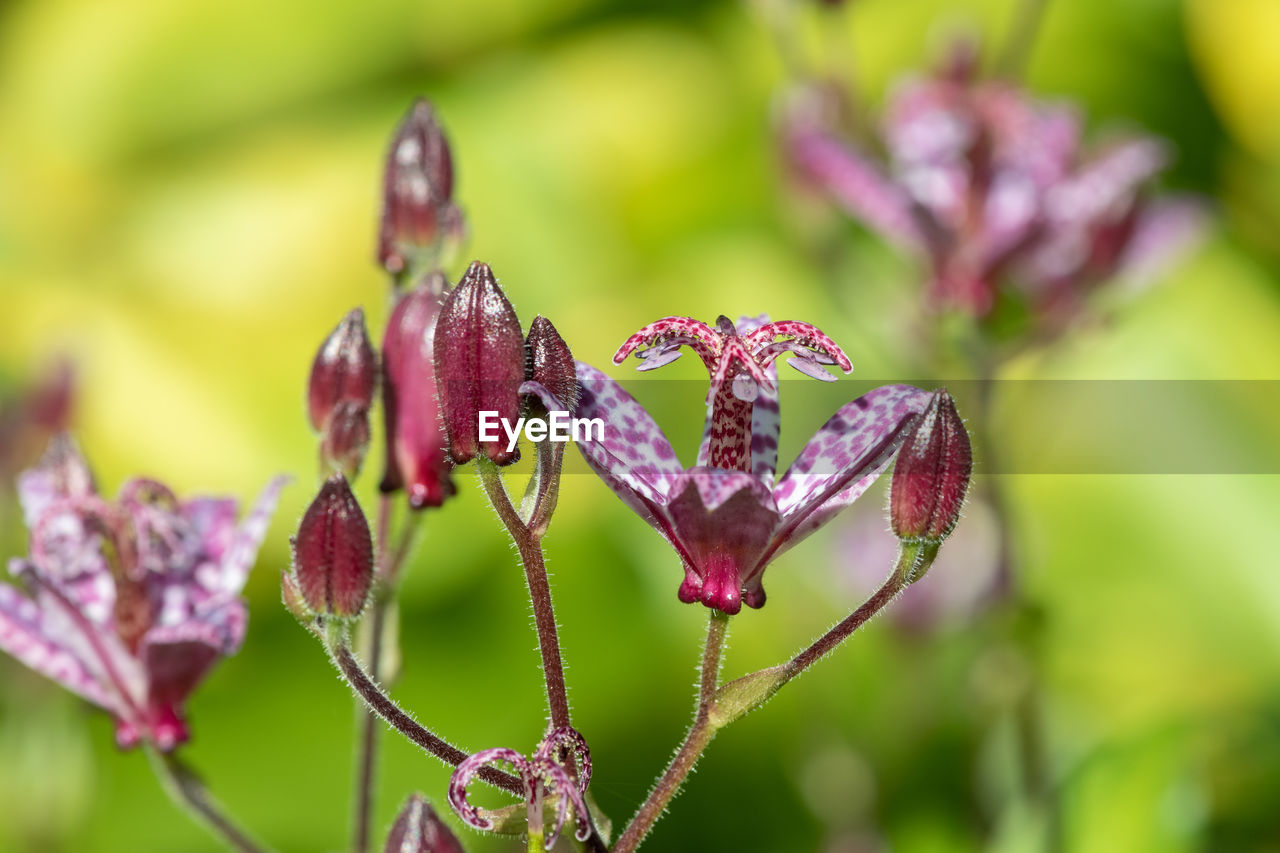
[931, 475]
[333, 552]
[417, 190]
[418, 829]
[551, 363]
[416, 460]
[345, 370]
[479, 354]
[345, 439]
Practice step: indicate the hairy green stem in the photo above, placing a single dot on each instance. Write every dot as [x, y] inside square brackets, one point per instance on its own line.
[695, 742]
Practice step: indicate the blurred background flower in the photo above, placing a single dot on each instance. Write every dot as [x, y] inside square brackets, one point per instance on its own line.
[188, 204]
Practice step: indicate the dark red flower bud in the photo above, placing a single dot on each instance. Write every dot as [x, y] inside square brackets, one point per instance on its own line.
[333, 552]
[931, 475]
[418, 829]
[345, 370]
[416, 459]
[417, 187]
[479, 351]
[551, 363]
[345, 439]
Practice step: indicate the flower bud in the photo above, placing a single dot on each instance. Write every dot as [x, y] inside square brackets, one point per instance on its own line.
[333, 552]
[551, 363]
[418, 829]
[345, 439]
[345, 370]
[417, 187]
[479, 354]
[416, 458]
[931, 475]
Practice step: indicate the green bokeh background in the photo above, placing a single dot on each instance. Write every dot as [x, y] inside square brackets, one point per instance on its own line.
[187, 205]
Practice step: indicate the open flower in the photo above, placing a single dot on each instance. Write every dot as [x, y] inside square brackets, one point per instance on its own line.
[132, 601]
[994, 190]
[726, 517]
[544, 774]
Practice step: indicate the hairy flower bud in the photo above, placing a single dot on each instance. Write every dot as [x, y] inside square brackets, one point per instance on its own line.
[418, 829]
[345, 439]
[416, 458]
[479, 355]
[333, 552]
[417, 187]
[345, 370]
[931, 475]
[551, 363]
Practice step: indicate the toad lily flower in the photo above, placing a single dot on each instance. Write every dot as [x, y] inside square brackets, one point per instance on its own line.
[726, 517]
[132, 601]
[996, 192]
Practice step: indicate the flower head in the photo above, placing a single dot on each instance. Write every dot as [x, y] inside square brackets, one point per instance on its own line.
[131, 602]
[726, 517]
[996, 192]
[545, 774]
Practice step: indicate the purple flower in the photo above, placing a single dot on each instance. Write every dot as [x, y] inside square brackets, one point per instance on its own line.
[990, 186]
[130, 602]
[726, 517]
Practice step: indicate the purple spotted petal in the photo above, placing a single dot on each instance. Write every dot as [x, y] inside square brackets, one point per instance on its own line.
[723, 520]
[231, 574]
[1165, 230]
[62, 474]
[766, 425]
[1108, 180]
[842, 459]
[24, 635]
[856, 185]
[635, 458]
[94, 644]
[214, 522]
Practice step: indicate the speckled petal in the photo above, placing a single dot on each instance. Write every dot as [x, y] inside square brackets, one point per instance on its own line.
[635, 458]
[23, 634]
[842, 459]
[243, 550]
[856, 185]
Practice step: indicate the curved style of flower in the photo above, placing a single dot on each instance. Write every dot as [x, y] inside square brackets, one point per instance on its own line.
[726, 517]
[132, 601]
[544, 774]
[990, 186]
